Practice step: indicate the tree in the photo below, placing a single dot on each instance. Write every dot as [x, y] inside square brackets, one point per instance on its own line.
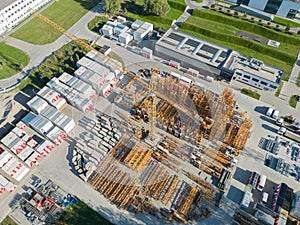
[112, 6]
[287, 29]
[156, 7]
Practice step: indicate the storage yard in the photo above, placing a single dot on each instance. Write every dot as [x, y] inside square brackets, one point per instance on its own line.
[166, 148]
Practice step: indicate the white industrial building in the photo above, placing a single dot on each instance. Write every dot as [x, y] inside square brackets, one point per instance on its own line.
[253, 72]
[14, 11]
[207, 59]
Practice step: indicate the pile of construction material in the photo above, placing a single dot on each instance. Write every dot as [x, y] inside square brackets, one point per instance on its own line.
[95, 74]
[270, 145]
[84, 163]
[73, 97]
[52, 97]
[19, 143]
[41, 106]
[11, 165]
[6, 185]
[77, 84]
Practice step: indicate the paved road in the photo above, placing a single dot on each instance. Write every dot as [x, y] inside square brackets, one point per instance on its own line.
[38, 53]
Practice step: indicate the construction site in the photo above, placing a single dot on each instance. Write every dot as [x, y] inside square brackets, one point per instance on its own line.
[176, 151]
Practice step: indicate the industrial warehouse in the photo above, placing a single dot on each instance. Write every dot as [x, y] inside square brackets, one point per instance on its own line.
[215, 61]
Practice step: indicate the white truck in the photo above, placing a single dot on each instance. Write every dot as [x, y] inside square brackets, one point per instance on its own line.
[275, 114]
[269, 111]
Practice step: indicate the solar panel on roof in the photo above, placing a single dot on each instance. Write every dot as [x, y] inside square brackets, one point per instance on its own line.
[175, 37]
[192, 43]
[208, 48]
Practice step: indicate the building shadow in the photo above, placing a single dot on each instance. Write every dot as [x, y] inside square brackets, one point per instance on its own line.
[269, 128]
[235, 194]
[241, 175]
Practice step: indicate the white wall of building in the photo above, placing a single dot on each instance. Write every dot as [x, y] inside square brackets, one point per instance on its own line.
[254, 81]
[14, 13]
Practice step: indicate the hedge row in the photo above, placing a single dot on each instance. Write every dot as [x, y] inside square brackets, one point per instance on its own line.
[177, 5]
[247, 26]
[283, 56]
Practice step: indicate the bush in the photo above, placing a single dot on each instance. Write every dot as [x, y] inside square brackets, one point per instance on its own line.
[293, 101]
[247, 26]
[284, 56]
[251, 93]
[61, 60]
[288, 119]
[96, 23]
[177, 5]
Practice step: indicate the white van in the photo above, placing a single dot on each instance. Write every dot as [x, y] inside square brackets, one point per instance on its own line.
[275, 114]
[261, 183]
[269, 111]
[264, 197]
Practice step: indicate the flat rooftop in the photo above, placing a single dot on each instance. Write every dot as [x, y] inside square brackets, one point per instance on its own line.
[253, 66]
[4, 3]
[188, 45]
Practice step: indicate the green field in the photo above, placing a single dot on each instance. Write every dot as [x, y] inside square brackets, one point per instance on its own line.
[62, 60]
[12, 60]
[63, 12]
[251, 93]
[221, 28]
[81, 214]
[8, 221]
[96, 23]
[285, 22]
[135, 11]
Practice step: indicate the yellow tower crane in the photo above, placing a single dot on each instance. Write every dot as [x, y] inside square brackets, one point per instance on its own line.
[116, 66]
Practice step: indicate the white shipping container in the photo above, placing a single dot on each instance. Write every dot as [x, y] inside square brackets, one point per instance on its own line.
[37, 104]
[139, 34]
[10, 165]
[52, 97]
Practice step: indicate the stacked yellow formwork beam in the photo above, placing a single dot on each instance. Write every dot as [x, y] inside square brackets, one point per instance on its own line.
[170, 190]
[189, 200]
[120, 188]
[242, 134]
[161, 187]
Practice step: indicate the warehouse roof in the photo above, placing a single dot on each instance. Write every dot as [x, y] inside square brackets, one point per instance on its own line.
[5, 3]
[253, 66]
[199, 49]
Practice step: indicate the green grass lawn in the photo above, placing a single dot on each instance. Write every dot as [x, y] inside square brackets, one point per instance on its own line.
[81, 214]
[135, 11]
[8, 221]
[285, 22]
[293, 101]
[220, 28]
[63, 12]
[12, 60]
[96, 23]
[251, 93]
[199, 1]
